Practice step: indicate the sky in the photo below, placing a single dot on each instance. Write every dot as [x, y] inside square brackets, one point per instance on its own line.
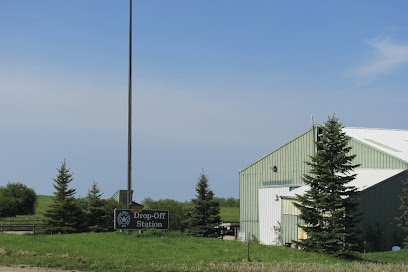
[216, 86]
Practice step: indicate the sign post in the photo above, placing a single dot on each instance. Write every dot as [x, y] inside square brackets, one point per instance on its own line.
[138, 219]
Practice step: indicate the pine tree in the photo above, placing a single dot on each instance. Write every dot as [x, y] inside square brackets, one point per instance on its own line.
[64, 215]
[403, 219]
[328, 208]
[96, 214]
[203, 217]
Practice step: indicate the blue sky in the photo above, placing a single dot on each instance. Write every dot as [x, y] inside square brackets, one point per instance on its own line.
[216, 85]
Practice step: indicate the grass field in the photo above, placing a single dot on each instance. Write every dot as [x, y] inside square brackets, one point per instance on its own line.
[120, 251]
[229, 214]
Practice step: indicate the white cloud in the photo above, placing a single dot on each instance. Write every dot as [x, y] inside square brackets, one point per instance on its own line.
[388, 56]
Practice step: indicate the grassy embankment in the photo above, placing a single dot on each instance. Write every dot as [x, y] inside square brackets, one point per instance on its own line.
[229, 214]
[43, 203]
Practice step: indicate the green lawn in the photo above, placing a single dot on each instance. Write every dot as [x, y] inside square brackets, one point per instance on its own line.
[120, 251]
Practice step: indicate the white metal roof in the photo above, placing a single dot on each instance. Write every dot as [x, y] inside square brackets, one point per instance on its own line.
[365, 179]
[392, 141]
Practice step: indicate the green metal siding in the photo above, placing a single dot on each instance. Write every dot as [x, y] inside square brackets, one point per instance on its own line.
[289, 160]
[380, 205]
[289, 228]
[370, 157]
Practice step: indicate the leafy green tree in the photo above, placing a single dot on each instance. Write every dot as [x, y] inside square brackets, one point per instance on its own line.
[328, 209]
[177, 211]
[403, 219]
[8, 206]
[147, 201]
[25, 198]
[203, 218]
[64, 215]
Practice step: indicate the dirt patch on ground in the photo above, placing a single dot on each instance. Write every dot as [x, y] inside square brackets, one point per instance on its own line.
[22, 268]
[19, 232]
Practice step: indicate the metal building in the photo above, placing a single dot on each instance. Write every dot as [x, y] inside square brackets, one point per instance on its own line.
[268, 186]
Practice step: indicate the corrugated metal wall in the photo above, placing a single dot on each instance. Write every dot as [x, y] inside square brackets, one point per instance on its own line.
[270, 208]
[288, 207]
[381, 205]
[289, 228]
[370, 157]
[289, 160]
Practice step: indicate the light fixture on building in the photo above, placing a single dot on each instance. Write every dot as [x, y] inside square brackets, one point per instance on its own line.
[274, 168]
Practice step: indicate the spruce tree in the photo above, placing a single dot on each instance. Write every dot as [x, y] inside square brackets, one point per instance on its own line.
[98, 219]
[64, 215]
[203, 217]
[403, 219]
[328, 208]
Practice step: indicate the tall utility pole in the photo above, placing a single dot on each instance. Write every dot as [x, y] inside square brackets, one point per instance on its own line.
[129, 177]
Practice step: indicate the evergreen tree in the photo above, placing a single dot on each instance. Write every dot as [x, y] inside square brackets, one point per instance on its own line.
[96, 215]
[64, 215]
[203, 217]
[403, 219]
[328, 208]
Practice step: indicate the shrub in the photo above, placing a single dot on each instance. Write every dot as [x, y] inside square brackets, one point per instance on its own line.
[8, 206]
[25, 199]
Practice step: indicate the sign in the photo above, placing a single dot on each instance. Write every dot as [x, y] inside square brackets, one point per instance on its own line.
[241, 236]
[138, 219]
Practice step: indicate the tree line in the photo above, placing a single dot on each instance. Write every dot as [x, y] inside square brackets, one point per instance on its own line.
[67, 214]
[199, 217]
